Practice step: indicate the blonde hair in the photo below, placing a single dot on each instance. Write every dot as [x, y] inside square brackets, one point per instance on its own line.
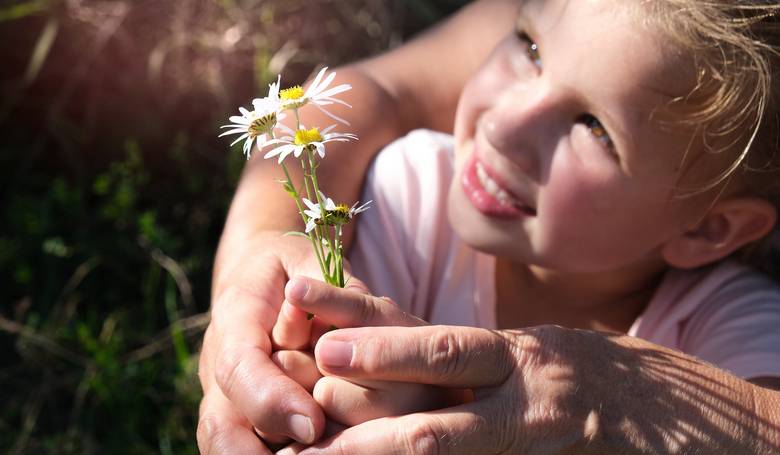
[734, 104]
[734, 107]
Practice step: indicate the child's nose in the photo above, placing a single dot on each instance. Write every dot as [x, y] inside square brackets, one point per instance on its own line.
[521, 126]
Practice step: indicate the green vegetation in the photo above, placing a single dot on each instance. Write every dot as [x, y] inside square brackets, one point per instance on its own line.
[114, 188]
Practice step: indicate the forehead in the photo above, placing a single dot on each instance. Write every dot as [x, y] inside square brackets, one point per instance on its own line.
[610, 43]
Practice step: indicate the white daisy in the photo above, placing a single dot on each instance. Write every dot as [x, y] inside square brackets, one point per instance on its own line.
[298, 141]
[256, 126]
[354, 210]
[273, 95]
[342, 214]
[317, 94]
[315, 212]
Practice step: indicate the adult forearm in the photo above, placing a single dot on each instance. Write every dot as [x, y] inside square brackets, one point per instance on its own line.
[767, 406]
[669, 402]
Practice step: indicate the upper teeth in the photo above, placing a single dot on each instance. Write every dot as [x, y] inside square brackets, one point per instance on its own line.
[492, 187]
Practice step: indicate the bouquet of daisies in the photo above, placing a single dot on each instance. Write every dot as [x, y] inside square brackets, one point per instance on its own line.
[262, 128]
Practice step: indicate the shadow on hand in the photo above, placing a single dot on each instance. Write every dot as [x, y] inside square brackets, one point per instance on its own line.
[648, 399]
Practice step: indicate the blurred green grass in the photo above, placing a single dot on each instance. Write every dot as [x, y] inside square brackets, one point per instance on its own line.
[114, 188]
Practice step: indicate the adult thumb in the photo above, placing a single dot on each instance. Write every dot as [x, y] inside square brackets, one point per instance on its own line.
[449, 356]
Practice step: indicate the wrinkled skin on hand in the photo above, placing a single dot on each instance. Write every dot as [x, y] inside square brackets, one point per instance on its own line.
[348, 403]
[256, 366]
[243, 388]
[543, 390]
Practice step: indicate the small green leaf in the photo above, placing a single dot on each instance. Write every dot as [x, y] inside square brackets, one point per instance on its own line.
[296, 233]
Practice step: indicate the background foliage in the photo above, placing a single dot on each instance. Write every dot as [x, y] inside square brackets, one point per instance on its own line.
[114, 188]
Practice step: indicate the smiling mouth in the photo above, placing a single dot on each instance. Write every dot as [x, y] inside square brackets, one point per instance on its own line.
[503, 196]
[487, 194]
[492, 187]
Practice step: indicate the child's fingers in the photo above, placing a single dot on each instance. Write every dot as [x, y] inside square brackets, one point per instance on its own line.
[298, 365]
[292, 329]
[331, 428]
[318, 329]
[352, 404]
[349, 307]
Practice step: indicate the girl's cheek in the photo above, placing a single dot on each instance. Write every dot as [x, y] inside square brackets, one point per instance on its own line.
[581, 191]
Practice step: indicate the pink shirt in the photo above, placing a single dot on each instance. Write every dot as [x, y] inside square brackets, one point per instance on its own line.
[726, 314]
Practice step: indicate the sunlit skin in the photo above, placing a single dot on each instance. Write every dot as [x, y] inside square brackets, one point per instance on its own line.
[560, 117]
[245, 394]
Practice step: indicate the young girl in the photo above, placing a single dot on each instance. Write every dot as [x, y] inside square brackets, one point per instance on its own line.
[608, 162]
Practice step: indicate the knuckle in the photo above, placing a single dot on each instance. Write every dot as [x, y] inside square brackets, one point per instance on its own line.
[423, 438]
[210, 433]
[445, 356]
[367, 310]
[229, 366]
[512, 351]
[229, 294]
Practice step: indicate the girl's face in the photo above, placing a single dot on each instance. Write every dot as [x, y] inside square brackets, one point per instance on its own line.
[559, 164]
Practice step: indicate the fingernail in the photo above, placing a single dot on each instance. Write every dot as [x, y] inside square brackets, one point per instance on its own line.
[302, 428]
[296, 289]
[335, 353]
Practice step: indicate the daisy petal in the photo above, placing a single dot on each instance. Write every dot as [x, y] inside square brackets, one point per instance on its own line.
[333, 100]
[239, 119]
[339, 119]
[316, 81]
[243, 136]
[233, 131]
[312, 205]
[334, 90]
[315, 90]
[284, 154]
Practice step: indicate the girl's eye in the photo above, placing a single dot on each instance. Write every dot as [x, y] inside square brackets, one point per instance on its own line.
[597, 130]
[531, 47]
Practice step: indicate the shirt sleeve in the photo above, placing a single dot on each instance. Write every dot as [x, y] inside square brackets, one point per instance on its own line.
[738, 328]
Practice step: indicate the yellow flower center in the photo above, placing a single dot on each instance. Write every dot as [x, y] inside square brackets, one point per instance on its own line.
[306, 137]
[339, 215]
[292, 93]
[262, 125]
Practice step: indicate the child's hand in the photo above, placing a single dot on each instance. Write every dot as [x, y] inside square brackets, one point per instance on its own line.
[352, 306]
[352, 402]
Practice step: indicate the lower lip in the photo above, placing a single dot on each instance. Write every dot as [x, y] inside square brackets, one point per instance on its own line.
[484, 201]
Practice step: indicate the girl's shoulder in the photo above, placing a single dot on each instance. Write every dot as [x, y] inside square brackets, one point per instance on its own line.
[404, 246]
[726, 313]
[420, 155]
[411, 176]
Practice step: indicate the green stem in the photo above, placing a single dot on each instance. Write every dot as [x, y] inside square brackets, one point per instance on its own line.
[314, 241]
[339, 257]
[313, 176]
[305, 179]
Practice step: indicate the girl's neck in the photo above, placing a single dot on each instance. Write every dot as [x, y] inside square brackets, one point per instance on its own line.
[610, 301]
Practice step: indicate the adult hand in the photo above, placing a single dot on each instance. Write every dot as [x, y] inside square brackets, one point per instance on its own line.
[344, 402]
[541, 390]
[244, 390]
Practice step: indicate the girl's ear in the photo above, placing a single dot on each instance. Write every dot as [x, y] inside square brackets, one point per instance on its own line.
[729, 225]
